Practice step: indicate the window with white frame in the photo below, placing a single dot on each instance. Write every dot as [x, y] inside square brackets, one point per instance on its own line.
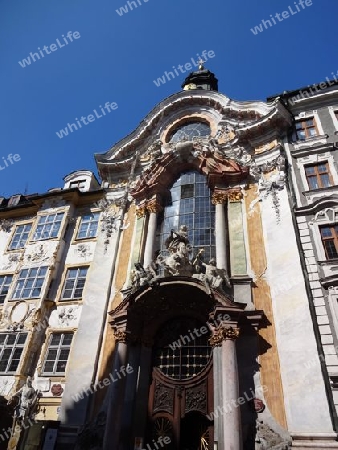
[20, 236]
[306, 128]
[57, 354]
[11, 348]
[48, 226]
[29, 283]
[88, 226]
[5, 282]
[329, 235]
[318, 175]
[74, 283]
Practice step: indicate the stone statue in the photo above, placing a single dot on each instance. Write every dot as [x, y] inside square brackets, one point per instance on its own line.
[209, 273]
[27, 401]
[141, 276]
[179, 248]
[178, 242]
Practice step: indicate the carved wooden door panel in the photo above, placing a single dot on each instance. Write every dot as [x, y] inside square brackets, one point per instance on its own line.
[179, 411]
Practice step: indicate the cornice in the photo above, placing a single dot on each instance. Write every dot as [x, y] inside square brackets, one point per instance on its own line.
[318, 204]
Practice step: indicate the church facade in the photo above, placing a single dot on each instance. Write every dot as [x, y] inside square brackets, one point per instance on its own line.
[189, 301]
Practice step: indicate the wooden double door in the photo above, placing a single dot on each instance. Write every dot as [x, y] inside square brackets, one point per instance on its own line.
[180, 411]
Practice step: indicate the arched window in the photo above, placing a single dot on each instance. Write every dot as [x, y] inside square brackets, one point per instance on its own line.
[189, 131]
[182, 348]
[190, 205]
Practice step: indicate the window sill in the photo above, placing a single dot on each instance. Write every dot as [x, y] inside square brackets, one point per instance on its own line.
[300, 144]
[317, 190]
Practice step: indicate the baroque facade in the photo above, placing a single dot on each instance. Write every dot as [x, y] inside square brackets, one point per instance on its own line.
[189, 301]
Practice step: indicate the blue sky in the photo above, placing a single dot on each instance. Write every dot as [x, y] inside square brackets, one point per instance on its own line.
[117, 57]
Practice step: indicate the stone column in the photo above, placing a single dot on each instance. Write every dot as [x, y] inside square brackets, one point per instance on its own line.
[153, 207]
[129, 401]
[142, 392]
[218, 397]
[219, 198]
[225, 337]
[116, 393]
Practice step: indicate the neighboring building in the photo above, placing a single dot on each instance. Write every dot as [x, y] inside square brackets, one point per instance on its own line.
[190, 301]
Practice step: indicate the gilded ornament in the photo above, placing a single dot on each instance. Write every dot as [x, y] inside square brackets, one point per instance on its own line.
[219, 197]
[222, 333]
[141, 211]
[120, 336]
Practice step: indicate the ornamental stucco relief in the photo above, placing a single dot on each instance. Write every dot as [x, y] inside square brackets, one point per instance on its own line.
[65, 316]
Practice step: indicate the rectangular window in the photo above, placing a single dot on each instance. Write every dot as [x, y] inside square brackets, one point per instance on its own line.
[318, 175]
[329, 236]
[48, 226]
[30, 283]
[57, 353]
[88, 226]
[11, 347]
[306, 128]
[74, 283]
[5, 281]
[187, 191]
[20, 236]
[80, 184]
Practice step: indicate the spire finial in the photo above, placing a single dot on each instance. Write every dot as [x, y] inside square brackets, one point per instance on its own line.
[201, 62]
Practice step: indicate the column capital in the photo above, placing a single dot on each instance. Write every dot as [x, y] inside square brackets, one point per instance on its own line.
[220, 196]
[121, 336]
[154, 206]
[141, 210]
[222, 333]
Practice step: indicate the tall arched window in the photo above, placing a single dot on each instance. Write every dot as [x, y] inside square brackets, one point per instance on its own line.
[190, 205]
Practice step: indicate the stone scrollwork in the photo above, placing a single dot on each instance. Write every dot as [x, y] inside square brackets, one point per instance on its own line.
[109, 219]
[83, 250]
[269, 185]
[222, 333]
[12, 260]
[6, 225]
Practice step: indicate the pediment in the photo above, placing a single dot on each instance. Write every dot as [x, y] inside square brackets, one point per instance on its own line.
[243, 121]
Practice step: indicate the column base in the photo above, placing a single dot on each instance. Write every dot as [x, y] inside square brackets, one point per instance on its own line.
[307, 441]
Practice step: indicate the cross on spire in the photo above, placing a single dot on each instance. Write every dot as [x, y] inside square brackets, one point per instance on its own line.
[201, 62]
